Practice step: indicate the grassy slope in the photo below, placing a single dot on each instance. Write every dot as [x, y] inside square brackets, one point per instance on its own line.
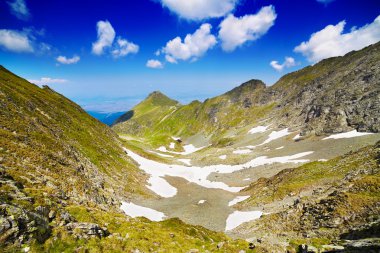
[44, 133]
[213, 117]
[54, 155]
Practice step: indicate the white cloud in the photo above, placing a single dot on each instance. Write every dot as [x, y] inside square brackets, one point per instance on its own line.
[15, 41]
[234, 31]
[19, 9]
[106, 36]
[331, 41]
[200, 9]
[288, 63]
[48, 80]
[154, 64]
[193, 46]
[123, 47]
[65, 60]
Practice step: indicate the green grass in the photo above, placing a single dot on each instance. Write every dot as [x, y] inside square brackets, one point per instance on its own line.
[168, 236]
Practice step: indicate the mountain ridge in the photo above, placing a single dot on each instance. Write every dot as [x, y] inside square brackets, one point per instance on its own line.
[319, 99]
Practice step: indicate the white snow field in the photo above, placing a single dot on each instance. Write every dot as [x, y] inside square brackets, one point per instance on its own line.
[274, 135]
[237, 200]
[237, 218]
[134, 211]
[351, 134]
[199, 175]
[258, 129]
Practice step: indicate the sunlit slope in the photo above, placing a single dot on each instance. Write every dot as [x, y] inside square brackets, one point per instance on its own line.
[335, 95]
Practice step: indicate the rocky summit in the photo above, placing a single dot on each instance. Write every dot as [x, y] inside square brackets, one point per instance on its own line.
[292, 167]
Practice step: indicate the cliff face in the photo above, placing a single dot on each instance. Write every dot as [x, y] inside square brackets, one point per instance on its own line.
[335, 95]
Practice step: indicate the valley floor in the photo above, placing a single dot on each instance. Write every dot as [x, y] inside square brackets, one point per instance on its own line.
[203, 186]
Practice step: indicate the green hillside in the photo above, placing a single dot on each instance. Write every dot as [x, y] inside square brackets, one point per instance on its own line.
[63, 175]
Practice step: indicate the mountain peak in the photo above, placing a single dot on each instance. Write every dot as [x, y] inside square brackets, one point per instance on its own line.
[250, 86]
[158, 98]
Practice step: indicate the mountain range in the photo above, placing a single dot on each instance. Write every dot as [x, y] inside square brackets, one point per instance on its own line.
[301, 157]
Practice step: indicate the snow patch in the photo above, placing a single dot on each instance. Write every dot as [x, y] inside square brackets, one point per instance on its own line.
[237, 200]
[242, 151]
[351, 134]
[276, 135]
[134, 211]
[223, 157]
[246, 179]
[185, 161]
[258, 129]
[237, 218]
[199, 175]
[280, 147]
[172, 145]
[161, 187]
[202, 201]
[297, 137]
[162, 149]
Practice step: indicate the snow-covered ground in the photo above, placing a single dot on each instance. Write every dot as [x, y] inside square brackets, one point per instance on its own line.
[134, 211]
[185, 161]
[242, 151]
[297, 137]
[161, 187]
[237, 218]
[189, 149]
[199, 175]
[258, 129]
[223, 157]
[274, 135]
[172, 145]
[351, 134]
[237, 200]
[202, 201]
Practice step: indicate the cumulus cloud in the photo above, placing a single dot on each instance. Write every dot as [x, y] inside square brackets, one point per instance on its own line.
[200, 9]
[154, 64]
[48, 80]
[331, 41]
[19, 9]
[65, 60]
[106, 36]
[288, 63]
[16, 41]
[192, 47]
[234, 31]
[124, 47]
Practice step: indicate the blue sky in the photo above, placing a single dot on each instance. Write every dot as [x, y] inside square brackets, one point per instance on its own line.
[108, 55]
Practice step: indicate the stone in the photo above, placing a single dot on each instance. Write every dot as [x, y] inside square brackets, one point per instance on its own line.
[52, 214]
[220, 245]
